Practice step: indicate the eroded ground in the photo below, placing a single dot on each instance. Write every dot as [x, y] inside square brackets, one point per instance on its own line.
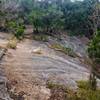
[28, 72]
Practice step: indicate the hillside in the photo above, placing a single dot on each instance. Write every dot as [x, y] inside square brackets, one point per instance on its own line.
[49, 50]
[28, 70]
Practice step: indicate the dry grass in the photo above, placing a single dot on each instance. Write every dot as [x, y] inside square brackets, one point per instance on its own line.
[63, 49]
[12, 43]
[58, 92]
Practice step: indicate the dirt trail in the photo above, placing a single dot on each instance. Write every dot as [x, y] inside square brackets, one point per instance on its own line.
[28, 72]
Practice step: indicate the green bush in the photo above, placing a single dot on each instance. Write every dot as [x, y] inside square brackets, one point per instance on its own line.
[19, 32]
[16, 28]
[83, 85]
[11, 26]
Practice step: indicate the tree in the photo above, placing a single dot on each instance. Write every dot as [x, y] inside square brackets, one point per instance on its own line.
[94, 17]
[94, 49]
[94, 55]
[36, 19]
[46, 18]
[79, 17]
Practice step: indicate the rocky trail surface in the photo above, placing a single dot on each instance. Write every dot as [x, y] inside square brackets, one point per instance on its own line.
[29, 71]
[4, 38]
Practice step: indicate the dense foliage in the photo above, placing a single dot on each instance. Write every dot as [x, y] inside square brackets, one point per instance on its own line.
[52, 16]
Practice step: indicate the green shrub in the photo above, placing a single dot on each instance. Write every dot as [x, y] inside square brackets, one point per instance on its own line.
[17, 28]
[19, 32]
[83, 85]
[11, 26]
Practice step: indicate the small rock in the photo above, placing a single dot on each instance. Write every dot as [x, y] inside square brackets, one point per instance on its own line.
[37, 51]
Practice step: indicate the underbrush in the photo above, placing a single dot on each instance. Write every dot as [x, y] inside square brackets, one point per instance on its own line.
[84, 92]
[19, 33]
[12, 43]
[58, 92]
[40, 37]
[63, 49]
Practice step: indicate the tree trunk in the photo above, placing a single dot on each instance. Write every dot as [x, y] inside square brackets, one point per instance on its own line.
[93, 82]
